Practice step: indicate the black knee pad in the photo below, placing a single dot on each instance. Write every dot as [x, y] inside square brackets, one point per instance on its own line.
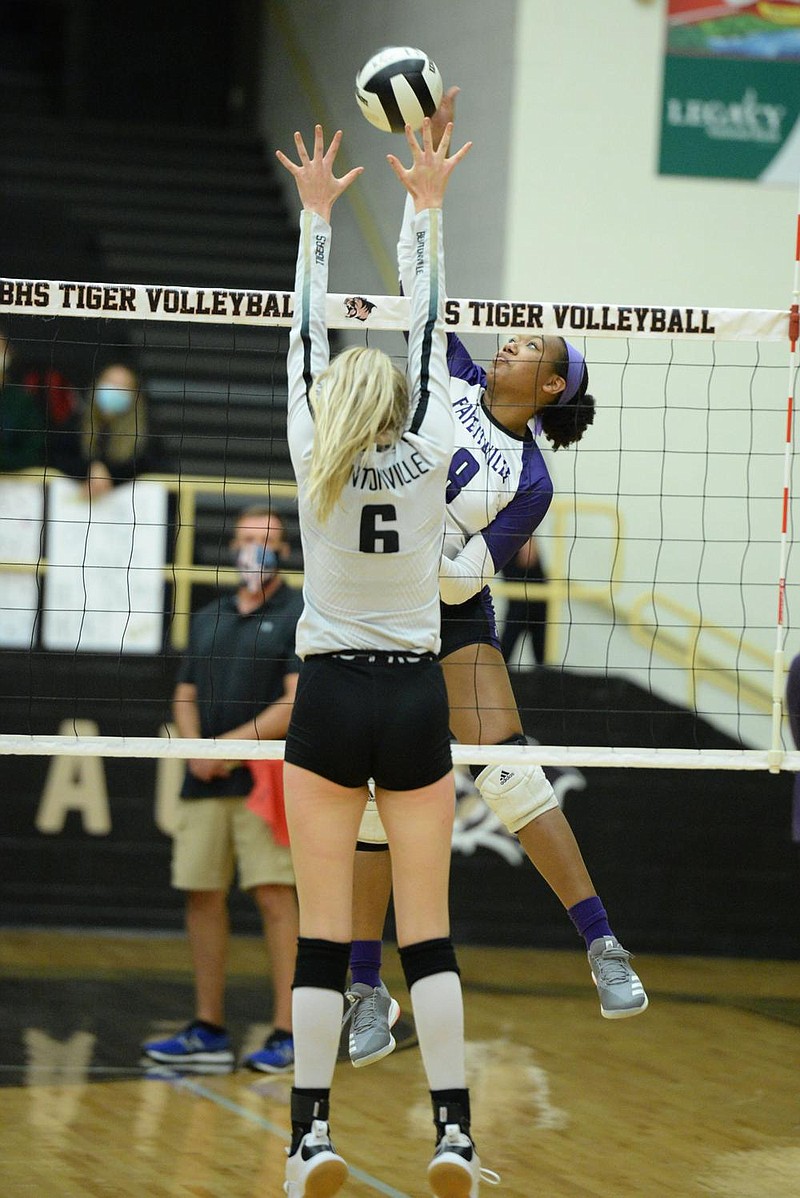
[427, 957]
[517, 739]
[321, 964]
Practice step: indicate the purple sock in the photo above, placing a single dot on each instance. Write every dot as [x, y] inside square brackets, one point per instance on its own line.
[590, 919]
[365, 962]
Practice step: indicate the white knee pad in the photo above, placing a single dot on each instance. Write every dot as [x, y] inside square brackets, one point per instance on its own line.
[516, 794]
[371, 829]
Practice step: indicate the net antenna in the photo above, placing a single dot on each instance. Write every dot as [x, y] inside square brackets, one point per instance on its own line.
[779, 670]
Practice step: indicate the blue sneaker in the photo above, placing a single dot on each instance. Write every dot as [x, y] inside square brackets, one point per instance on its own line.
[195, 1045]
[277, 1055]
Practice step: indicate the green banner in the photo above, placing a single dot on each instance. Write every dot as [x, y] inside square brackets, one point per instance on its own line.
[731, 102]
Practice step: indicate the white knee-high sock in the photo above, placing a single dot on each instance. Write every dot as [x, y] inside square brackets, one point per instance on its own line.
[439, 1016]
[317, 1023]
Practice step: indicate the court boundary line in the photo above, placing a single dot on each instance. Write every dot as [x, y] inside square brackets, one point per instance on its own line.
[228, 1104]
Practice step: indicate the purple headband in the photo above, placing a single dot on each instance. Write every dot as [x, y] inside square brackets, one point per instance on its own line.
[574, 373]
[575, 367]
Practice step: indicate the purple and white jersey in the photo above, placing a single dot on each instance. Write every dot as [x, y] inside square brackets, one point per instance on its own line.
[499, 488]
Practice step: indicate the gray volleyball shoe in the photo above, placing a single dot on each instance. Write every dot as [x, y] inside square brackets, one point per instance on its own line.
[619, 989]
[372, 1015]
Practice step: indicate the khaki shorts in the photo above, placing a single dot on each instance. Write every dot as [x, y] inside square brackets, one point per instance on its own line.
[215, 836]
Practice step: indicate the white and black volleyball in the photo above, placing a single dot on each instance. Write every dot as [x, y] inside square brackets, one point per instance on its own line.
[399, 86]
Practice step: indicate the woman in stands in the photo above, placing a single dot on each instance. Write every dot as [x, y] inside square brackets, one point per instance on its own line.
[114, 439]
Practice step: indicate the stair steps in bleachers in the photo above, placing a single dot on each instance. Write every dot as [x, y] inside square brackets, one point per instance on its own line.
[182, 207]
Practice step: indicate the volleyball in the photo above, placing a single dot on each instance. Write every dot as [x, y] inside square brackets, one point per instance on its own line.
[399, 86]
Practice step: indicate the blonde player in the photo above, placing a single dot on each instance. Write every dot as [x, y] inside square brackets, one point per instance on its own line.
[371, 448]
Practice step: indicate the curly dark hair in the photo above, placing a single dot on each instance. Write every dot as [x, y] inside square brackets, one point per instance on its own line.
[565, 423]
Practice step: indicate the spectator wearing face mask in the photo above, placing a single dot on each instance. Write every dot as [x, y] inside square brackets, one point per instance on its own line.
[237, 681]
[115, 442]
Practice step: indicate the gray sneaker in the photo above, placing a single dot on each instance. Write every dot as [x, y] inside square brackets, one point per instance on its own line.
[373, 1013]
[620, 991]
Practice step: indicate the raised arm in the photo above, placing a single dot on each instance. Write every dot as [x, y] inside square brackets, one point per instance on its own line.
[426, 182]
[405, 243]
[318, 189]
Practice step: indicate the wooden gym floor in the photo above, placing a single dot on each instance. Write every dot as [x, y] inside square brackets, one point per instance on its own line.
[699, 1096]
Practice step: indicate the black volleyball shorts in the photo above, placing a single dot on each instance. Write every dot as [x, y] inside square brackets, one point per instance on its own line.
[470, 623]
[374, 715]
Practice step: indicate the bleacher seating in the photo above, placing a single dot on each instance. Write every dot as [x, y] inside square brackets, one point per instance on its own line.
[181, 206]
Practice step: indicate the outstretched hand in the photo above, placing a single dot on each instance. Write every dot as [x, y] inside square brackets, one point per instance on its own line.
[427, 178]
[316, 184]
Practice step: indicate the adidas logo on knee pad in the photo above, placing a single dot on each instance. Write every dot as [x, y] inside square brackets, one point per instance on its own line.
[516, 796]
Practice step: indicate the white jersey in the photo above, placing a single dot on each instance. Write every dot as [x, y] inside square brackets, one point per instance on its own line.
[498, 487]
[371, 569]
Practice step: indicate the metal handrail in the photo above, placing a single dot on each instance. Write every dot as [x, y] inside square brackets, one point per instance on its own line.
[558, 591]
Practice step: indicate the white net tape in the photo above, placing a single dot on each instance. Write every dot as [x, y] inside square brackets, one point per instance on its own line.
[248, 750]
[224, 305]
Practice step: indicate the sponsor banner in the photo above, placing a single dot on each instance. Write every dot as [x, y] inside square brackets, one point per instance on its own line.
[221, 305]
[731, 99]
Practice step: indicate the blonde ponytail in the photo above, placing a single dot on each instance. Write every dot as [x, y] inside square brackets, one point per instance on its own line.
[360, 399]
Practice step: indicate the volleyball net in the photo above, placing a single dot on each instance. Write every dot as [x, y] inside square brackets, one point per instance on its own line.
[667, 552]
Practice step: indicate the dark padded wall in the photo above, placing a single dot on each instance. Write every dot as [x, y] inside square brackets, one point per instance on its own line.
[686, 861]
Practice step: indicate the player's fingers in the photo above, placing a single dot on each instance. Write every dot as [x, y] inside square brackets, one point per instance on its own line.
[462, 153]
[319, 142]
[413, 144]
[396, 165]
[444, 141]
[350, 177]
[403, 173]
[286, 162]
[333, 148]
[301, 147]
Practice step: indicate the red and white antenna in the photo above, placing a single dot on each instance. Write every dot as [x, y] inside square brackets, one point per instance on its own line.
[779, 667]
